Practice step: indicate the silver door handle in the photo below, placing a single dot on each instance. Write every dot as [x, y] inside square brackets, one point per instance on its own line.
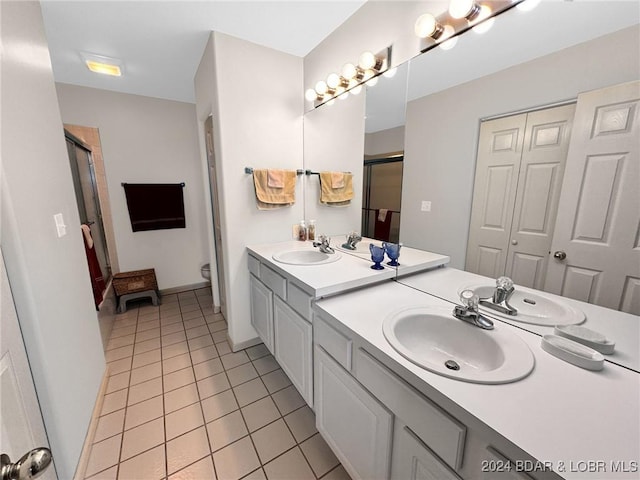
[514, 242]
[560, 255]
[30, 466]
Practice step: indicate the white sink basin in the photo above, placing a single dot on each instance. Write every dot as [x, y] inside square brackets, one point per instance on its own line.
[306, 257]
[533, 308]
[433, 338]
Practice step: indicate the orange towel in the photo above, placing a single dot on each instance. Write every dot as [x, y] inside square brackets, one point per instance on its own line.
[268, 197]
[332, 196]
[275, 178]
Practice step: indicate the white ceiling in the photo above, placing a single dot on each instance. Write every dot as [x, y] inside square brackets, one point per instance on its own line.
[161, 42]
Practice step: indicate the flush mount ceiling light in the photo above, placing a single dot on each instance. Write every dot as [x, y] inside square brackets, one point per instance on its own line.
[101, 64]
[351, 78]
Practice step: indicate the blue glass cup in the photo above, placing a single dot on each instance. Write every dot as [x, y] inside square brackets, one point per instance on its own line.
[393, 252]
[377, 256]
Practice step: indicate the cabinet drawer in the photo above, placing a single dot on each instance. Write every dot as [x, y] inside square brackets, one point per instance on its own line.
[496, 466]
[442, 433]
[334, 342]
[299, 300]
[276, 282]
[254, 265]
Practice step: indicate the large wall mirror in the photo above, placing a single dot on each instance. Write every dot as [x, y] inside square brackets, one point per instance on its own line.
[515, 88]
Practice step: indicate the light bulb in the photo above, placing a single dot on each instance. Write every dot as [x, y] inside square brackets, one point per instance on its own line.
[373, 82]
[426, 25]
[527, 5]
[321, 88]
[486, 23]
[367, 61]
[463, 9]
[447, 43]
[349, 71]
[333, 81]
[311, 95]
[390, 73]
[356, 90]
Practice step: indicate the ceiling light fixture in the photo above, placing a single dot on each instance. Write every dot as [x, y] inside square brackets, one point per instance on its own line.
[467, 9]
[351, 78]
[428, 26]
[101, 64]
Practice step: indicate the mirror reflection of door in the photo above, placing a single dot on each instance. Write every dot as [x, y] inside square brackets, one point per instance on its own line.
[597, 234]
[382, 194]
[86, 190]
[519, 172]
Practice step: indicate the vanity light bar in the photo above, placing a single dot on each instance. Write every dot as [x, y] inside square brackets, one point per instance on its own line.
[350, 79]
[463, 15]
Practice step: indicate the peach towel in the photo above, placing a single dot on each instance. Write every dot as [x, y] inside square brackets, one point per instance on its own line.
[333, 196]
[275, 178]
[268, 198]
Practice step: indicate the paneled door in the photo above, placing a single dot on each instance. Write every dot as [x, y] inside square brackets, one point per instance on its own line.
[22, 427]
[519, 172]
[596, 244]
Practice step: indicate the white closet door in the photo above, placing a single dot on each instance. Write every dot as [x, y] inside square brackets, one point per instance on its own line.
[598, 222]
[546, 142]
[494, 194]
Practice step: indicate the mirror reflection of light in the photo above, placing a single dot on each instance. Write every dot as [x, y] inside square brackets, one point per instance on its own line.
[390, 73]
[527, 5]
[447, 43]
[373, 82]
[486, 25]
[356, 90]
[343, 95]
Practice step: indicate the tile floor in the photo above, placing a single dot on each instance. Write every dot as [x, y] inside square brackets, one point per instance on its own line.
[180, 405]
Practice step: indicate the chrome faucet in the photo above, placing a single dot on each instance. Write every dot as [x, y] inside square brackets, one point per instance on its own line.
[324, 245]
[352, 239]
[500, 299]
[468, 311]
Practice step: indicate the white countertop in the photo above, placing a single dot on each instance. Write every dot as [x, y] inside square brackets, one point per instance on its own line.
[623, 328]
[411, 260]
[349, 272]
[559, 413]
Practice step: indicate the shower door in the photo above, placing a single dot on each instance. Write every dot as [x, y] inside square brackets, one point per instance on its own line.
[86, 190]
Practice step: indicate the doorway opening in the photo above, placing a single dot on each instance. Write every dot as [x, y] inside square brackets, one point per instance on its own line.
[381, 197]
[87, 198]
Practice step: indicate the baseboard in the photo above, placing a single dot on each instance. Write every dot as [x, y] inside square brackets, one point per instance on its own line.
[242, 345]
[83, 461]
[184, 288]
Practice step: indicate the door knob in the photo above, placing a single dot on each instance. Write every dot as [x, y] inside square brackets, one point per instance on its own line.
[560, 255]
[514, 242]
[30, 466]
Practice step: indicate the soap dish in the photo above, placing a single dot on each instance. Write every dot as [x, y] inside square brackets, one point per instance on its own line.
[573, 352]
[587, 337]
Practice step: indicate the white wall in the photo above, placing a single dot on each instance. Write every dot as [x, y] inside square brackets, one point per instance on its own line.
[255, 95]
[147, 140]
[384, 141]
[49, 275]
[440, 150]
[334, 141]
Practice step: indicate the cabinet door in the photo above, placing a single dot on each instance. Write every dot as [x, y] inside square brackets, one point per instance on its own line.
[413, 460]
[355, 425]
[293, 341]
[262, 311]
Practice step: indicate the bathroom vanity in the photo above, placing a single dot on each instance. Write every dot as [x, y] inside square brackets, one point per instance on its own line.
[282, 295]
[384, 416]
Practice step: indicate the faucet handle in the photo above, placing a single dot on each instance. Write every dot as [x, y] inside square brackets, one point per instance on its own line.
[469, 299]
[504, 282]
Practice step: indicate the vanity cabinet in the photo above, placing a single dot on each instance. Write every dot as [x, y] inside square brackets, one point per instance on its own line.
[278, 308]
[293, 341]
[412, 459]
[356, 426]
[382, 427]
[262, 311]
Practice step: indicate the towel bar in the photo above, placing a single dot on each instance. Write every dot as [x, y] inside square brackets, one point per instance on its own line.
[249, 171]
